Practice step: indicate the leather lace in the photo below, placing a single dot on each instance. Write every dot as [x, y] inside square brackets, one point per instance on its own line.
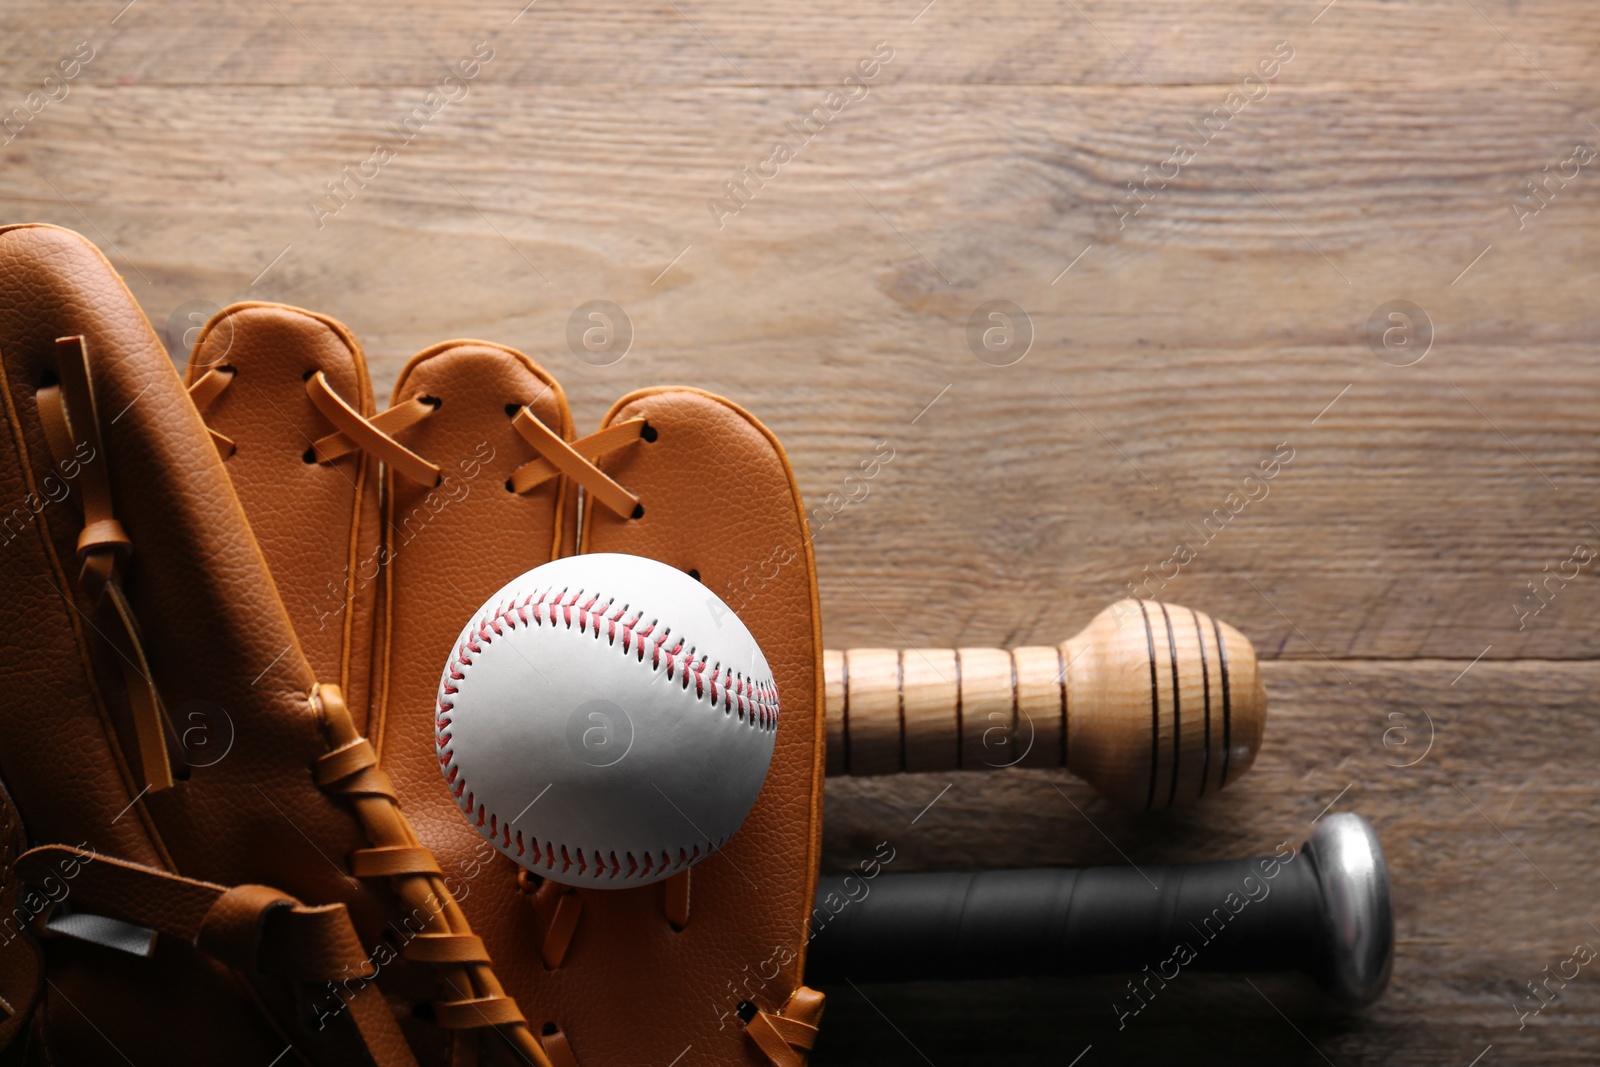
[351, 429]
[357, 431]
[377, 435]
[207, 388]
[446, 939]
[69, 416]
[253, 928]
[577, 460]
[784, 1040]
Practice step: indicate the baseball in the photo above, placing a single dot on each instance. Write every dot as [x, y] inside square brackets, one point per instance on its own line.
[606, 720]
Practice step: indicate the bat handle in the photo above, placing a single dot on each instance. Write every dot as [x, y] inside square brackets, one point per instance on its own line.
[1152, 703]
[1325, 912]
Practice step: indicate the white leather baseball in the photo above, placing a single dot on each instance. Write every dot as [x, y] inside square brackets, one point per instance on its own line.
[606, 720]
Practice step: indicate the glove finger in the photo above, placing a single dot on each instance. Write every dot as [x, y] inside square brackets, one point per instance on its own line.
[317, 522]
[720, 503]
[449, 547]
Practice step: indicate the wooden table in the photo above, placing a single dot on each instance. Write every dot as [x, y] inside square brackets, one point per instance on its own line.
[1189, 311]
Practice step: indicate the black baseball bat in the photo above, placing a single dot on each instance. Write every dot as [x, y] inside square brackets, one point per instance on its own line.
[1324, 911]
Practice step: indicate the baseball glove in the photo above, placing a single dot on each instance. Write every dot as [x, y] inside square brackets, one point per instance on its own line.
[483, 478]
[207, 622]
[199, 898]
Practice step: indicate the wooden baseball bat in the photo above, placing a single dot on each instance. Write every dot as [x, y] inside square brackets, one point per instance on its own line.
[1152, 703]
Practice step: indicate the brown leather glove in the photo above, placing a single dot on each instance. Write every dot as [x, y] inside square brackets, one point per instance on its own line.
[220, 872]
[482, 480]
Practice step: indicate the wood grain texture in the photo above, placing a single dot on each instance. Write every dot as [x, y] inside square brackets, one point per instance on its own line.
[1171, 359]
[1173, 351]
[1095, 42]
[1154, 704]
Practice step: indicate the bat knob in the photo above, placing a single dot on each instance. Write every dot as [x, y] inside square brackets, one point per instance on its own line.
[1165, 704]
[1357, 915]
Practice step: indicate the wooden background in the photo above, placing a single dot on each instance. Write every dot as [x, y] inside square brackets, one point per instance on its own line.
[1381, 577]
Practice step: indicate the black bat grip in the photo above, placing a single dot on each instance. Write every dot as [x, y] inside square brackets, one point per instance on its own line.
[1324, 911]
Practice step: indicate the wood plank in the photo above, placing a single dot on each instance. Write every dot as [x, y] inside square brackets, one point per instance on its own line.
[1476, 917]
[1092, 42]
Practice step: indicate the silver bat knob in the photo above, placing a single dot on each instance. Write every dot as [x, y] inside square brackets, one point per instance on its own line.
[1355, 891]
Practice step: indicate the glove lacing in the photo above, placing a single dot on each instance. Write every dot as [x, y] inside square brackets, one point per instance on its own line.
[70, 419]
[377, 435]
[783, 1038]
